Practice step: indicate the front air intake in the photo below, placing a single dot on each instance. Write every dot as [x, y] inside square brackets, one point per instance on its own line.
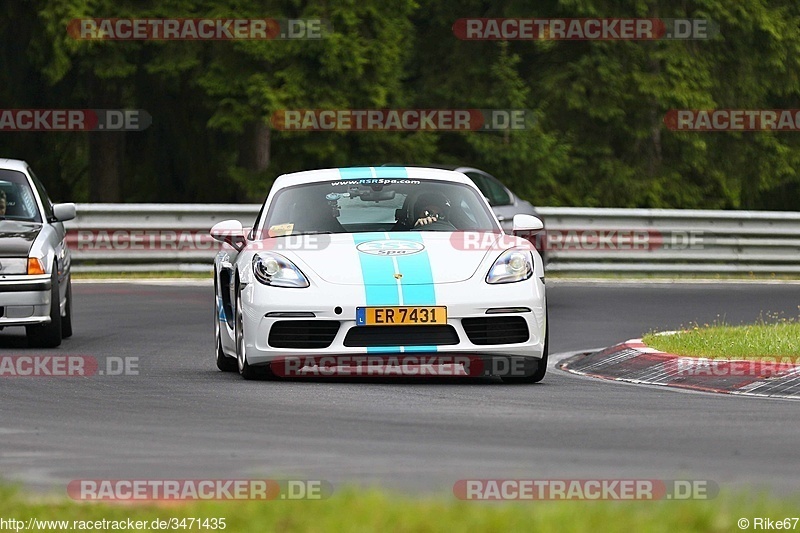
[496, 330]
[311, 334]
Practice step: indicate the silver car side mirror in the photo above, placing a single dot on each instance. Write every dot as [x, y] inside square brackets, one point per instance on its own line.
[64, 212]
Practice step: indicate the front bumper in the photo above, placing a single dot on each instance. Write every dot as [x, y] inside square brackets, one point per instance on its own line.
[463, 300]
[25, 300]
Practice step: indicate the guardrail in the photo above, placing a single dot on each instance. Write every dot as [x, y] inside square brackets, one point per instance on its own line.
[149, 237]
[114, 237]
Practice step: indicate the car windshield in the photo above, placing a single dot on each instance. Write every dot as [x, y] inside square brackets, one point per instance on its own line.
[17, 201]
[357, 206]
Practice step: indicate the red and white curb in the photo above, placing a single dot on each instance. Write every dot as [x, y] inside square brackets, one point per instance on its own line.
[635, 362]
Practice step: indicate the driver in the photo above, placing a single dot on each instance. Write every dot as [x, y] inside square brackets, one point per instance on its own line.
[431, 207]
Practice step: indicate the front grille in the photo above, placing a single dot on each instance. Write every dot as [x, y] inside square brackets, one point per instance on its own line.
[401, 336]
[303, 333]
[496, 330]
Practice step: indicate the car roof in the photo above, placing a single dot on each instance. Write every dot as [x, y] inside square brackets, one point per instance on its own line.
[14, 164]
[335, 174]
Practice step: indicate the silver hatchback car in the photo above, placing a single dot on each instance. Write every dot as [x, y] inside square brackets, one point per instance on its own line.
[35, 287]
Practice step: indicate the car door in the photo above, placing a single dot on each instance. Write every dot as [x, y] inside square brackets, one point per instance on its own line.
[59, 244]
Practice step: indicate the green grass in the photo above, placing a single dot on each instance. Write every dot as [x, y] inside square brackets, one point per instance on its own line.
[373, 510]
[779, 339]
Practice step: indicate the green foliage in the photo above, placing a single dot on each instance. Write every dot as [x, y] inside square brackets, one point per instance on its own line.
[598, 138]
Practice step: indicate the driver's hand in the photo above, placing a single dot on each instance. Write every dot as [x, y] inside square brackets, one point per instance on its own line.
[425, 220]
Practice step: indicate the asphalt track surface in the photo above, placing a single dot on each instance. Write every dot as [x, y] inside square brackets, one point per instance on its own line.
[180, 418]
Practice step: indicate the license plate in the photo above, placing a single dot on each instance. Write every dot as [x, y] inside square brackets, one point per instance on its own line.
[401, 316]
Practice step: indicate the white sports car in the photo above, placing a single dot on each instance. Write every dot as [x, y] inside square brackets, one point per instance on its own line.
[399, 263]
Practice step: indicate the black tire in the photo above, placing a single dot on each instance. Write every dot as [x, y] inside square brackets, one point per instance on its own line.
[537, 375]
[48, 335]
[66, 320]
[245, 370]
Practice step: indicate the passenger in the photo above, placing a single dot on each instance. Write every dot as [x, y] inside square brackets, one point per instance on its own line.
[314, 214]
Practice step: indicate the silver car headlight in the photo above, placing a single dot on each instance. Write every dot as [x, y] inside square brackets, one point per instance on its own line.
[512, 266]
[277, 271]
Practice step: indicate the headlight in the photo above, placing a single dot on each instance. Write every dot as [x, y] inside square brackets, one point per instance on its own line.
[277, 271]
[513, 265]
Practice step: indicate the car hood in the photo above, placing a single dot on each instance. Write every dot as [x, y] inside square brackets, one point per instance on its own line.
[16, 237]
[378, 258]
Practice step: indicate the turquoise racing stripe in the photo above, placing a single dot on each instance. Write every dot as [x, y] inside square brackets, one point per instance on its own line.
[417, 280]
[360, 173]
[391, 172]
[416, 285]
[355, 173]
[378, 273]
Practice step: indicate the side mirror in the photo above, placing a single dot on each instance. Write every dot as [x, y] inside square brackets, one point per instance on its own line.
[230, 232]
[527, 224]
[64, 212]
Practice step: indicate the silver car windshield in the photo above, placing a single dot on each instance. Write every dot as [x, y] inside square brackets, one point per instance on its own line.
[17, 201]
[352, 207]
